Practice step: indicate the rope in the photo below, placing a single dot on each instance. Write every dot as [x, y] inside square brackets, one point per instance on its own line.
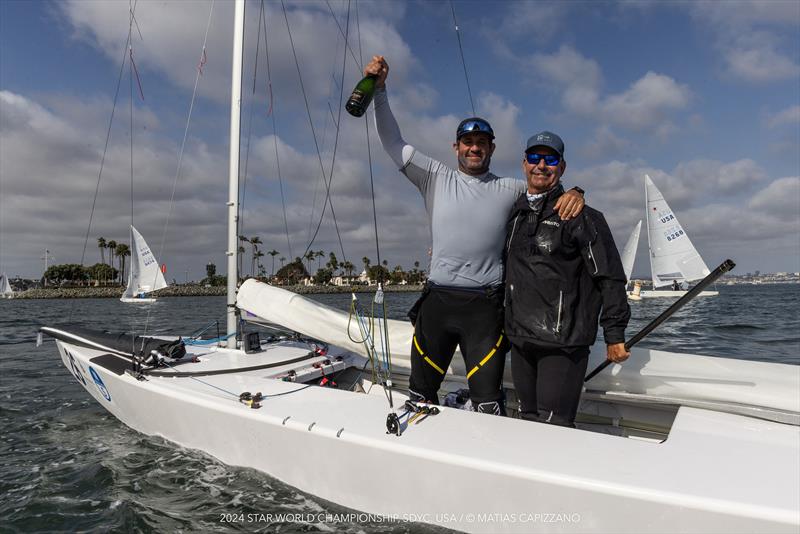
[463, 62]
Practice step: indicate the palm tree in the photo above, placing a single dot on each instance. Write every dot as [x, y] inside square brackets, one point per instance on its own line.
[366, 262]
[310, 255]
[319, 254]
[122, 251]
[112, 248]
[282, 258]
[255, 241]
[101, 244]
[333, 262]
[348, 268]
[274, 253]
[258, 256]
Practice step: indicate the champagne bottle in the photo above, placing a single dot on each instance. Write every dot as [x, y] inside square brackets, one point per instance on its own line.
[362, 95]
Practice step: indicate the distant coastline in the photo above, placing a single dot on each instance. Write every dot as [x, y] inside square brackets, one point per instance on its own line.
[192, 290]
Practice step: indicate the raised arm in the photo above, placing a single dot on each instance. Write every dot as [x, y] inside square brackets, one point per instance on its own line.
[388, 129]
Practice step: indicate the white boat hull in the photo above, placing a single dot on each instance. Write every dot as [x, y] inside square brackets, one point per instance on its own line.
[652, 294]
[137, 300]
[716, 472]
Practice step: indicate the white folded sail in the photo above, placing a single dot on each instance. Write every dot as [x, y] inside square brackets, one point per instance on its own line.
[145, 275]
[672, 254]
[300, 314]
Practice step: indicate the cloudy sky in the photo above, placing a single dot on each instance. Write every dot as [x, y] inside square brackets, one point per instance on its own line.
[704, 97]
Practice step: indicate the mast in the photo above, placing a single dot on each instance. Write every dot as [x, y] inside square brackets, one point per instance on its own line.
[233, 176]
[649, 240]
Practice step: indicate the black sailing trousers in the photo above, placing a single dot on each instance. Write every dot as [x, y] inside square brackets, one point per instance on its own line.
[548, 382]
[471, 319]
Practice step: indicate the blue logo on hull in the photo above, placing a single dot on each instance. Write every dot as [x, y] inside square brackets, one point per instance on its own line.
[99, 383]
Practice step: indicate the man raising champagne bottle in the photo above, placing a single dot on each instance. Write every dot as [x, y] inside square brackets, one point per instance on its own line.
[462, 303]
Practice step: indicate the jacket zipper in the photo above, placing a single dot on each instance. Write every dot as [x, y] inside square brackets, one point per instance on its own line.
[513, 229]
[558, 319]
[591, 255]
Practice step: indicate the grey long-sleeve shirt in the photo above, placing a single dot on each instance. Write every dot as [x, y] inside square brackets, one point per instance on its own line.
[467, 214]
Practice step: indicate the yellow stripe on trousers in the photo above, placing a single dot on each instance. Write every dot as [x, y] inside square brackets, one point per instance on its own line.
[487, 357]
[422, 353]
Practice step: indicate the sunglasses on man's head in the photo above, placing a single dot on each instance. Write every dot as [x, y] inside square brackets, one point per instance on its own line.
[474, 126]
[550, 160]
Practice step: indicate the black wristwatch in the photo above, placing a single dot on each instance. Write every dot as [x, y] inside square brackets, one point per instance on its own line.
[579, 190]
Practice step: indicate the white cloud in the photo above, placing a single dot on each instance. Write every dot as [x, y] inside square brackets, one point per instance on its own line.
[710, 175]
[173, 32]
[788, 116]
[781, 198]
[604, 144]
[49, 172]
[757, 58]
[749, 38]
[538, 21]
[642, 107]
[580, 78]
[646, 102]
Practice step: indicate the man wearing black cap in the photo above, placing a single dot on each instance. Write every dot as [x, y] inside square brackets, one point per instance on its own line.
[462, 304]
[559, 274]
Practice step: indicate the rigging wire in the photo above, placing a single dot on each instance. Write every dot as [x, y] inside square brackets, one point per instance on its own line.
[461, 50]
[314, 135]
[108, 138]
[275, 132]
[130, 106]
[336, 123]
[332, 85]
[342, 33]
[379, 294]
[243, 177]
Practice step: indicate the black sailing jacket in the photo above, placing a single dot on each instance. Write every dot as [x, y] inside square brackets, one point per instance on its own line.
[559, 274]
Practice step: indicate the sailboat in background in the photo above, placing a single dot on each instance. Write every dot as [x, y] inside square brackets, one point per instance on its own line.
[145, 275]
[6, 291]
[673, 258]
[629, 257]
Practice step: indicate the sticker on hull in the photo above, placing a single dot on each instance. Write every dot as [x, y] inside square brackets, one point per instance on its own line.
[76, 368]
[99, 383]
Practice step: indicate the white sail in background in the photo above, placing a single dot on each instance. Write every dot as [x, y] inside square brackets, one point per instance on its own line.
[672, 255]
[5, 286]
[145, 274]
[629, 252]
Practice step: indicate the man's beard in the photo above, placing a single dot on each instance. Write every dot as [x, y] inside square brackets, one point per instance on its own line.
[465, 163]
